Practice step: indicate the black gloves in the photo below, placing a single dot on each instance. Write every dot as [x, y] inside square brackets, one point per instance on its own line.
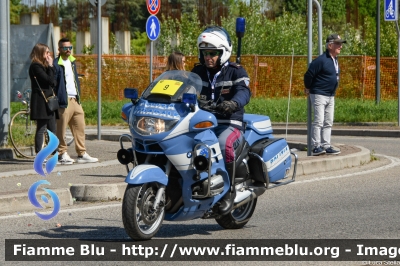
[204, 103]
[227, 107]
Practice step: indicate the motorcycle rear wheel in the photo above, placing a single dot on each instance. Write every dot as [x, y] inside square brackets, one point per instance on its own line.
[140, 221]
[238, 217]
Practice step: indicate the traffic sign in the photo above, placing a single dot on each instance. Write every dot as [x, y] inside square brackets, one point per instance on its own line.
[153, 28]
[94, 2]
[391, 10]
[153, 6]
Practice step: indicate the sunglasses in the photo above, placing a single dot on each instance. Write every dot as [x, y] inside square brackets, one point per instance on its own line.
[210, 53]
[65, 48]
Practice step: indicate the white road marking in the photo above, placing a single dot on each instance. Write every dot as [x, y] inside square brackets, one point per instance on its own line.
[62, 168]
[77, 209]
[393, 163]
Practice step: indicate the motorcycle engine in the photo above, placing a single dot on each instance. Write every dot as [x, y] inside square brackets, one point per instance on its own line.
[216, 187]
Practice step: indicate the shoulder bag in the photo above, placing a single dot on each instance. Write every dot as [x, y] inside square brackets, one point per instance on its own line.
[52, 101]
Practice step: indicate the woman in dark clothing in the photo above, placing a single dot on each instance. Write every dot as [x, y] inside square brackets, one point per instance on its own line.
[42, 75]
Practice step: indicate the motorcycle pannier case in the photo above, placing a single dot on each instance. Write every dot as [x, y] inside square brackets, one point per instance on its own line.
[277, 159]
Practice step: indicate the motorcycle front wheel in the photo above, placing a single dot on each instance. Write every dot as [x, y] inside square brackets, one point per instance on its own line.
[238, 217]
[141, 221]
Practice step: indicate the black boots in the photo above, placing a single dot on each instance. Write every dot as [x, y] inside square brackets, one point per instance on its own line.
[227, 201]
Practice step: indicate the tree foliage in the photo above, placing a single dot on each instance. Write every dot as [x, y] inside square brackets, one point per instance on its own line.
[287, 33]
[138, 43]
[179, 35]
[281, 34]
[138, 17]
[16, 8]
[68, 10]
[264, 36]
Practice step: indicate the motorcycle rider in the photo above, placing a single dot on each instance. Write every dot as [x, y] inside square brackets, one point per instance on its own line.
[225, 85]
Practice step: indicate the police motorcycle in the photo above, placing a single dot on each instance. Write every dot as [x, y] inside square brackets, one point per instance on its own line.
[178, 170]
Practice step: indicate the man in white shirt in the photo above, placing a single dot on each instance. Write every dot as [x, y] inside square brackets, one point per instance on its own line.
[71, 113]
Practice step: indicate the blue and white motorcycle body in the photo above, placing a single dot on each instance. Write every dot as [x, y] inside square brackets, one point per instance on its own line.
[178, 170]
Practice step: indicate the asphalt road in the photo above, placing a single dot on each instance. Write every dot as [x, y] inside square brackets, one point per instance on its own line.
[356, 203]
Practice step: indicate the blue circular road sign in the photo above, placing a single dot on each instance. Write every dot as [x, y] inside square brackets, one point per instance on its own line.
[153, 28]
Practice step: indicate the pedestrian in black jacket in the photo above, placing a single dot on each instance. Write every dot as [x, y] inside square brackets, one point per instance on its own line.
[321, 81]
[42, 76]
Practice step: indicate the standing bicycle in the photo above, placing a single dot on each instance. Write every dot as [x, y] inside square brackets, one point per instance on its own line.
[22, 129]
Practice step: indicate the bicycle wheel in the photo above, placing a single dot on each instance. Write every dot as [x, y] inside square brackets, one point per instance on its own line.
[22, 134]
[69, 139]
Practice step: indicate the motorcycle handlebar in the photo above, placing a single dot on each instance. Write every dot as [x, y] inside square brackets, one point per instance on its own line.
[208, 106]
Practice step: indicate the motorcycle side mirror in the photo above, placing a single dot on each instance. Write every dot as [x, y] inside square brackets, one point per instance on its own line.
[131, 93]
[190, 99]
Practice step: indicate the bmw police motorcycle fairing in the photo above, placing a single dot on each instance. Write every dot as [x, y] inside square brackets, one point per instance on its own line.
[178, 170]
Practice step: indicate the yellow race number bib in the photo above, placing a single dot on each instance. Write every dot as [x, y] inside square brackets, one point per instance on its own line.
[167, 86]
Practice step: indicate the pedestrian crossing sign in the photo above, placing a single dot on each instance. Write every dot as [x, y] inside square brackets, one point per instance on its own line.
[152, 27]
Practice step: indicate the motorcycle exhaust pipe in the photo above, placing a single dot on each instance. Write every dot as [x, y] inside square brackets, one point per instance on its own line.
[248, 195]
[246, 200]
[125, 156]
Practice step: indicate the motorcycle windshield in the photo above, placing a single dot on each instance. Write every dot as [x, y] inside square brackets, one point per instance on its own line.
[170, 86]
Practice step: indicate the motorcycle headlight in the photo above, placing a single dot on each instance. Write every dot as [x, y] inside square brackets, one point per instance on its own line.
[150, 125]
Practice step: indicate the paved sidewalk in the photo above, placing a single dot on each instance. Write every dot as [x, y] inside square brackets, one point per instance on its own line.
[105, 180]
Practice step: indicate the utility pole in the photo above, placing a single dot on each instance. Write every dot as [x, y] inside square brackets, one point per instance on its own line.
[4, 72]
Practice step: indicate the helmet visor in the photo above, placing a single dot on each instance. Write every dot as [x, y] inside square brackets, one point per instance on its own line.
[211, 53]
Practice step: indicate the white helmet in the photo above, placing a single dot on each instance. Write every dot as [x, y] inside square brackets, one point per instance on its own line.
[215, 38]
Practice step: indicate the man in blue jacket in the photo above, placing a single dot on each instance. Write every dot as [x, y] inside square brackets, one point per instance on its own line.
[225, 84]
[321, 81]
[70, 112]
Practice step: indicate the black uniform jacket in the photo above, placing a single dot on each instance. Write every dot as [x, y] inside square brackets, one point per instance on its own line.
[46, 79]
[231, 85]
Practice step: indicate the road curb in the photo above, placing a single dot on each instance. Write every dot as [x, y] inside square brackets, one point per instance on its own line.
[343, 132]
[98, 192]
[335, 163]
[19, 202]
[113, 135]
[109, 137]
[7, 153]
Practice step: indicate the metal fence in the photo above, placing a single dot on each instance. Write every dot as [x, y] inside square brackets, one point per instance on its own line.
[270, 76]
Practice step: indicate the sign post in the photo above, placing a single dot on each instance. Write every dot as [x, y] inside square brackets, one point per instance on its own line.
[98, 4]
[240, 29]
[391, 14]
[5, 77]
[152, 28]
